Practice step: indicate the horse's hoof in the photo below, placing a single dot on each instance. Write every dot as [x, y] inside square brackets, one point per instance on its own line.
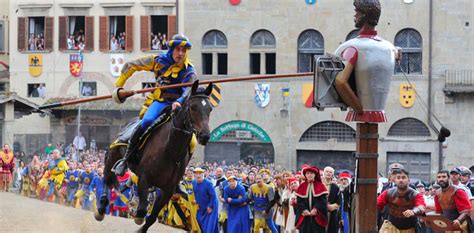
[99, 217]
[139, 221]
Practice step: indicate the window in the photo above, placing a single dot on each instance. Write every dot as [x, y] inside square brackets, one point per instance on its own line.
[214, 45]
[409, 127]
[326, 130]
[214, 39]
[310, 44]
[270, 63]
[207, 63]
[262, 46]
[35, 33]
[116, 33]
[36, 90]
[262, 39]
[159, 29]
[76, 33]
[222, 63]
[411, 43]
[89, 89]
[2, 37]
[2, 87]
[353, 34]
[147, 85]
[255, 63]
[155, 31]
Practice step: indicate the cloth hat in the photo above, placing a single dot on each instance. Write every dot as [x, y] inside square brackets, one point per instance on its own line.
[419, 184]
[231, 178]
[198, 170]
[394, 166]
[455, 170]
[310, 168]
[180, 40]
[293, 179]
[264, 170]
[464, 171]
[345, 175]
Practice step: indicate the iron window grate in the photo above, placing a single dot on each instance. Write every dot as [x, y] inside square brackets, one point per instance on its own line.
[326, 130]
[409, 127]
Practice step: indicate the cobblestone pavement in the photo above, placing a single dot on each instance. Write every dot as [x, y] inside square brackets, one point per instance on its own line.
[21, 214]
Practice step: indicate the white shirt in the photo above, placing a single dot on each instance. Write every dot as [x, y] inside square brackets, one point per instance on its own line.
[79, 142]
[42, 91]
[70, 44]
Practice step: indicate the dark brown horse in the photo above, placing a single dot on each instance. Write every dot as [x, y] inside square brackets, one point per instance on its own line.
[164, 157]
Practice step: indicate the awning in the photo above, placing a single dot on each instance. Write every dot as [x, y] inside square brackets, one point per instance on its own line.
[22, 106]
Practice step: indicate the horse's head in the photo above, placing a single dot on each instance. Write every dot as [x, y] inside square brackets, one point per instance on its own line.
[199, 109]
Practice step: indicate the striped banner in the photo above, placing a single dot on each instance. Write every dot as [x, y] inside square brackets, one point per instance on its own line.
[215, 97]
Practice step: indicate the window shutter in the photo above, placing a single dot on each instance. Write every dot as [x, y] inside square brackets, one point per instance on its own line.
[171, 26]
[63, 32]
[89, 33]
[22, 38]
[129, 33]
[104, 33]
[145, 33]
[48, 33]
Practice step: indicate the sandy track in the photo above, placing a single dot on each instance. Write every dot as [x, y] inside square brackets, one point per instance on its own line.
[21, 214]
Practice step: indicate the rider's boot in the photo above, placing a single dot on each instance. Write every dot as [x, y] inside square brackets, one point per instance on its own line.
[121, 165]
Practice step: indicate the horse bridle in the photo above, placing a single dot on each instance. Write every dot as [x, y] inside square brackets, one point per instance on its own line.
[188, 120]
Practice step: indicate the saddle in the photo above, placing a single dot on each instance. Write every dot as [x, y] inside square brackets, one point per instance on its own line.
[126, 132]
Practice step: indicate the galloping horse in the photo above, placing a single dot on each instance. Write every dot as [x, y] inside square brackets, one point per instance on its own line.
[165, 155]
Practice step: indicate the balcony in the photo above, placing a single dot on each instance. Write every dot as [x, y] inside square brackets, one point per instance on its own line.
[459, 82]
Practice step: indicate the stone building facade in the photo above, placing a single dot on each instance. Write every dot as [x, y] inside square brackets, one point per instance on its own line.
[264, 37]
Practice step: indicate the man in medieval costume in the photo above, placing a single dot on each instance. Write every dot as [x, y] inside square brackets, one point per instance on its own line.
[452, 202]
[311, 204]
[206, 201]
[58, 168]
[334, 199]
[237, 212]
[404, 205]
[7, 165]
[173, 67]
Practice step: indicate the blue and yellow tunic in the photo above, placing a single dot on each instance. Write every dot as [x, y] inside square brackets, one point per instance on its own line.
[166, 71]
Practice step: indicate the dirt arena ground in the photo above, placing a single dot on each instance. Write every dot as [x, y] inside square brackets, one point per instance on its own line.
[21, 214]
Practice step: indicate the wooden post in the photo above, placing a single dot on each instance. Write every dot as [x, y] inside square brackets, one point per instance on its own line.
[366, 198]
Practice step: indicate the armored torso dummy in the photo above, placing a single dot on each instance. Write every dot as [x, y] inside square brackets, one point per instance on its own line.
[373, 72]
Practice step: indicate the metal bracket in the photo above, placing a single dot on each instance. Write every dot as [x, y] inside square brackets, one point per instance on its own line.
[366, 155]
[367, 135]
[367, 181]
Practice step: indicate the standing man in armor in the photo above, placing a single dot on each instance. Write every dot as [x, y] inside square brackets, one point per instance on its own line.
[404, 204]
[372, 61]
[173, 67]
[452, 202]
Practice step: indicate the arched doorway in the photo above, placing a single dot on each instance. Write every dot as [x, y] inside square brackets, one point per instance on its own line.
[239, 140]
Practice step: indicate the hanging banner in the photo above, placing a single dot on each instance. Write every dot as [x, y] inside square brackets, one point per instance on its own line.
[215, 97]
[116, 63]
[308, 94]
[75, 64]
[262, 94]
[35, 62]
